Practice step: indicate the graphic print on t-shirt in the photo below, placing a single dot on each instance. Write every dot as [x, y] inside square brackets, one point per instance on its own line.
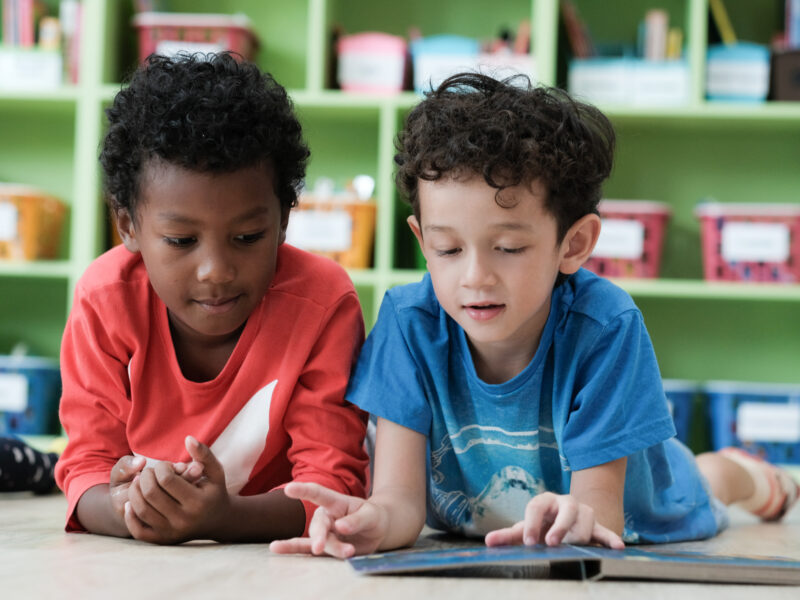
[490, 459]
[242, 441]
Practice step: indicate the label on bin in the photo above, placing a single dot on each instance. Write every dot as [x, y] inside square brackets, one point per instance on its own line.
[13, 392]
[620, 238]
[8, 221]
[321, 230]
[175, 47]
[762, 242]
[768, 422]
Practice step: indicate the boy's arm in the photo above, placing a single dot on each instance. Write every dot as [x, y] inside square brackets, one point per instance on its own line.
[391, 518]
[602, 488]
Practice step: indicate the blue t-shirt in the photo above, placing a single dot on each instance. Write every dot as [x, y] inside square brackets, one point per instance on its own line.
[591, 394]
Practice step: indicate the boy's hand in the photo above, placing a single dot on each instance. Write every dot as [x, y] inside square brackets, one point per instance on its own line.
[342, 526]
[120, 480]
[164, 507]
[551, 519]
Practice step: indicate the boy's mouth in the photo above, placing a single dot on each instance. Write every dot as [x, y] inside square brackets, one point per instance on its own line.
[217, 306]
[483, 311]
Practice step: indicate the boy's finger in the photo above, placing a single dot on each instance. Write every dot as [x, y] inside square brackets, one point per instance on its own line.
[538, 516]
[608, 538]
[176, 488]
[319, 495]
[337, 548]
[142, 509]
[291, 546]
[202, 454]
[565, 520]
[506, 536]
[126, 468]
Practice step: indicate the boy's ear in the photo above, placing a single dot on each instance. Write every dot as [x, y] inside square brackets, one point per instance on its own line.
[284, 224]
[126, 229]
[579, 242]
[415, 228]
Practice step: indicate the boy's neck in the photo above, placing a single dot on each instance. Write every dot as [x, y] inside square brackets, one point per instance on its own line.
[203, 360]
[498, 363]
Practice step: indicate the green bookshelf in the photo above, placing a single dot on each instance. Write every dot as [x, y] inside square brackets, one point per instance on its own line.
[734, 153]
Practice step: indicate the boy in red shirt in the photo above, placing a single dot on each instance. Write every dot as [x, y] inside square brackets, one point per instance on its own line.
[204, 362]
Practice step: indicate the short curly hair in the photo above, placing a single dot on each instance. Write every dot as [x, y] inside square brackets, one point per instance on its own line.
[207, 113]
[510, 133]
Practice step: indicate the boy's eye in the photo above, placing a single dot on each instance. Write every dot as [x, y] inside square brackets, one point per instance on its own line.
[180, 242]
[250, 238]
[448, 252]
[512, 250]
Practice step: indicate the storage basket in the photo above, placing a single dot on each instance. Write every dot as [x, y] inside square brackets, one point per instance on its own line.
[681, 395]
[30, 223]
[762, 418]
[30, 388]
[630, 240]
[750, 242]
[172, 33]
[340, 228]
[371, 62]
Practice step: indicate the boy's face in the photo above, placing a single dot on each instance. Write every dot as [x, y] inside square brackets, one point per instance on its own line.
[209, 243]
[493, 268]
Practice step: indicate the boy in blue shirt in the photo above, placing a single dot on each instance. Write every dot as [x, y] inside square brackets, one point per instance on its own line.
[518, 396]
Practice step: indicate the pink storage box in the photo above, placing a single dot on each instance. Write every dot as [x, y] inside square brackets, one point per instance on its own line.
[631, 238]
[372, 63]
[171, 33]
[750, 242]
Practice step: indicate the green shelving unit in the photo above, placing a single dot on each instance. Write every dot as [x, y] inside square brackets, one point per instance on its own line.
[734, 153]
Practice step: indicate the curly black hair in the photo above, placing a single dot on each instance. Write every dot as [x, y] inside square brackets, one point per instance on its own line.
[208, 113]
[511, 133]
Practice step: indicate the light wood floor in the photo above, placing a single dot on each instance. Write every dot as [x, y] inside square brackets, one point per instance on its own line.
[38, 560]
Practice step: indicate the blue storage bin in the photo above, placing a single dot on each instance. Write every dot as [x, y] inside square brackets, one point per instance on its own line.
[762, 418]
[680, 396]
[437, 57]
[30, 388]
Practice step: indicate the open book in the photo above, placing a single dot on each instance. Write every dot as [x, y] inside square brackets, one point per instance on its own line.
[581, 562]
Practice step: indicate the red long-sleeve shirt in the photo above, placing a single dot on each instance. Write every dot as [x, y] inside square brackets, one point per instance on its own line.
[275, 413]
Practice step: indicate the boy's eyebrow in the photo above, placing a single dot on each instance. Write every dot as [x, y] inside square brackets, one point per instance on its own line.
[188, 220]
[505, 226]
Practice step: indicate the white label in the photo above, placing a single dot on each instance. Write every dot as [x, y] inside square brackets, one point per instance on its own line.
[620, 238]
[8, 221]
[373, 70]
[768, 422]
[13, 392]
[322, 230]
[762, 242]
[173, 47]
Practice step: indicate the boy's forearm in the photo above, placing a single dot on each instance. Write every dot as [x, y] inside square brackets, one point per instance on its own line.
[260, 518]
[97, 515]
[406, 518]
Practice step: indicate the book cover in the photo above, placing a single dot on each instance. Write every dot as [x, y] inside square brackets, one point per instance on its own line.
[581, 562]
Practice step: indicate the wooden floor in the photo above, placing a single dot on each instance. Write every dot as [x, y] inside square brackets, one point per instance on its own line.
[38, 560]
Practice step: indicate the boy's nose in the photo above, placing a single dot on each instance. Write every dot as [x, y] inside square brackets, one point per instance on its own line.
[478, 272]
[215, 267]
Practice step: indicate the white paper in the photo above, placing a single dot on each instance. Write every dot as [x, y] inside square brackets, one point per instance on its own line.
[322, 230]
[13, 392]
[760, 242]
[620, 238]
[768, 422]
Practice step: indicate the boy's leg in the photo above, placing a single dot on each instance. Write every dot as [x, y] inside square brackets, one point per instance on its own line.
[759, 487]
[24, 469]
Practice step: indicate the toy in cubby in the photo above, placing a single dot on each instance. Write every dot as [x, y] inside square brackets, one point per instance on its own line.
[631, 238]
[337, 224]
[762, 418]
[30, 389]
[750, 242]
[30, 223]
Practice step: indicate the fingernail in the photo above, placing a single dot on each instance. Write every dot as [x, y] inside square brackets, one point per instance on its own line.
[529, 541]
[127, 507]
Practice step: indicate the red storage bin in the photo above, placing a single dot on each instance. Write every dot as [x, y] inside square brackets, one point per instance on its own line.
[630, 240]
[750, 242]
[171, 33]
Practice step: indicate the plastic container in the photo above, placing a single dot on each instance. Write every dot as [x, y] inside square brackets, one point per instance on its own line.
[371, 62]
[680, 396]
[750, 242]
[762, 418]
[30, 388]
[30, 223]
[341, 228]
[631, 239]
[738, 72]
[172, 33]
[630, 81]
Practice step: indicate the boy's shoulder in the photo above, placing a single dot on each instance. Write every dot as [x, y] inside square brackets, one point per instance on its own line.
[595, 297]
[416, 298]
[113, 268]
[305, 275]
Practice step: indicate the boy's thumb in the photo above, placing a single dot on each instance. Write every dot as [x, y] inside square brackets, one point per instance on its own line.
[203, 454]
